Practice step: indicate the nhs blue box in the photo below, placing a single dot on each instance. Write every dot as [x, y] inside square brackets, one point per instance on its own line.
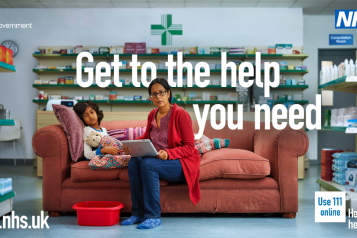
[345, 18]
[5, 185]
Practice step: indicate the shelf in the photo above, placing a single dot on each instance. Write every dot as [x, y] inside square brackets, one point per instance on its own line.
[124, 86]
[142, 55]
[7, 122]
[131, 101]
[77, 86]
[290, 88]
[211, 86]
[208, 102]
[286, 56]
[102, 70]
[7, 68]
[283, 56]
[343, 84]
[99, 101]
[214, 56]
[64, 55]
[302, 102]
[293, 71]
[333, 128]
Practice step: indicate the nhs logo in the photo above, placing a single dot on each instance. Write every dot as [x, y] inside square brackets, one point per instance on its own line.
[345, 18]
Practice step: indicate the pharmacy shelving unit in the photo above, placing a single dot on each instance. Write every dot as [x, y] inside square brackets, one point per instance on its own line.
[138, 110]
[345, 84]
[7, 68]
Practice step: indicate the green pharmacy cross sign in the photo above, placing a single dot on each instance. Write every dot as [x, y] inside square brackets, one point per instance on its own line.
[166, 29]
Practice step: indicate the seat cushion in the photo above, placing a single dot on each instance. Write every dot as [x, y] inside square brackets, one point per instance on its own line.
[81, 172]
[124, 175]
[233, 163]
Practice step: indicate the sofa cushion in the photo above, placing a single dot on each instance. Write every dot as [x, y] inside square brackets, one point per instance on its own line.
[73, 127]
[81, 172]
[124, 175]
[233, 163]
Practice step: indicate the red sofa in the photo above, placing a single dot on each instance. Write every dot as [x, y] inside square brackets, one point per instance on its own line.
[257, 173]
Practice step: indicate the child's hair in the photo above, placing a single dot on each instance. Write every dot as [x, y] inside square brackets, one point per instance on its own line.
[81, 107]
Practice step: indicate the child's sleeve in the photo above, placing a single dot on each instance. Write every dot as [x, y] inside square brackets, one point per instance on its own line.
[88, 152]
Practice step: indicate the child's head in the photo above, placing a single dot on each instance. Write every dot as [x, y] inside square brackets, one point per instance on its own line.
[89, 113]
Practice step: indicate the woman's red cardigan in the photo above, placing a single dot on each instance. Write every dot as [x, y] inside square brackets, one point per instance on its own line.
[182, 147]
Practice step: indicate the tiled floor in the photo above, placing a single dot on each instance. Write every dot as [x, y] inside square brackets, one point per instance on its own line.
[29, 203]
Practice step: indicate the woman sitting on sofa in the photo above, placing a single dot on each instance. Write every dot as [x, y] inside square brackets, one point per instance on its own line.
[170, 129]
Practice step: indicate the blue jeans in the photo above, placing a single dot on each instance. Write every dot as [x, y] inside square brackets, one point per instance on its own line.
[144, 174]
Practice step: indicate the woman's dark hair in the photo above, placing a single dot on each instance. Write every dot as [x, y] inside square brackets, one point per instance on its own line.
[164, 83]
[81, 107]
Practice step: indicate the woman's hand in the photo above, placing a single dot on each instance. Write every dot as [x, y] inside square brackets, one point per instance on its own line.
[163, 155]
[109, 150]
[126, 150]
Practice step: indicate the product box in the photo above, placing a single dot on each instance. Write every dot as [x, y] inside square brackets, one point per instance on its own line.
[94, 50]
[224, 49]
[128, 98]
[113, 96]
[193, 50]
[137, 98]
[129, 48]
[5, 185]
[283, 64]
[62, 51]
[140, 48]
[351, 176]
[155, 51]
[271, 50]
[99, 97]
[103, 50]
[2, 53]
[284, 48]
[214, 50]
[326, 162]
[9, 56]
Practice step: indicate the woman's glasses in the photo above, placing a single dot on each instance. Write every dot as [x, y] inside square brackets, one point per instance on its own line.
[161, 93]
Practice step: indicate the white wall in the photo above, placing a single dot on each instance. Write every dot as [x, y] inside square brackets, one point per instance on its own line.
[316, 35]
[106, 27]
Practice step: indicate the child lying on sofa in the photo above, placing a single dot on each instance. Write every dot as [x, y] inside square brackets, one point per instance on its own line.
[103, 151]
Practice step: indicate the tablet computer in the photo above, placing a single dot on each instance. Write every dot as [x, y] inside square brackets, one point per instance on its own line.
[140, 148]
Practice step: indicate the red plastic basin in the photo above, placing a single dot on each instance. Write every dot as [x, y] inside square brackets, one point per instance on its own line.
[98, 213]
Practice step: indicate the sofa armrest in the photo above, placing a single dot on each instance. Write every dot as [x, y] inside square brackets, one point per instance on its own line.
[51, 144]
[281, 148]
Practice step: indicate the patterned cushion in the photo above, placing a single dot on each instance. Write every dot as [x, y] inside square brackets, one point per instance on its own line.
[73, 127]
[128, 133]
[205, 144]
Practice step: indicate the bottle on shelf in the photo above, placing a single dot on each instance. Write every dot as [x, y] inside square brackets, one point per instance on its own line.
[335, 69]
[323, 75]
[352, 68]
[332, 73]
[346, 68]
[328, 74]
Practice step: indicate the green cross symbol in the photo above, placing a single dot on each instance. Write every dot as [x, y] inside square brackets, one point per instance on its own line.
[166, 29]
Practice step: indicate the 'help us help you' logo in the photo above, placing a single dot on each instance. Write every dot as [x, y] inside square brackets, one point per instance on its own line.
[345, 19]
